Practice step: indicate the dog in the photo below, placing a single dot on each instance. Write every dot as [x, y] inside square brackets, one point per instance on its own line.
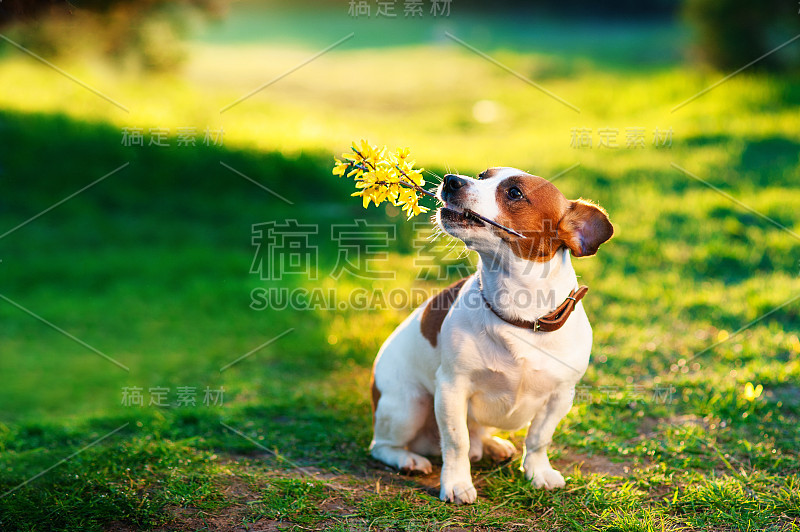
[499, 350]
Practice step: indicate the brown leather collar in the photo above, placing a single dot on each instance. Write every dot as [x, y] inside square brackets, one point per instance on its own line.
[549, 322]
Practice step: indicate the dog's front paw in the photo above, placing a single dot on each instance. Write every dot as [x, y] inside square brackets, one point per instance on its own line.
[459, 493]
[547, 478]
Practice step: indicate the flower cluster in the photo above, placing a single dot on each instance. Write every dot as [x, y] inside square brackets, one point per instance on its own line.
[383, 175]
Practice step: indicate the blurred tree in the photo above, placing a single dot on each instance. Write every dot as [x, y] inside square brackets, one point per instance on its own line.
[147, 33]
[731, 33]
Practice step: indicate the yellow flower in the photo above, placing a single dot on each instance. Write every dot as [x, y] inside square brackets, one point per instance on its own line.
[363, 150]
[416, 177]
[340, 167]
[381, 175]
[357, 172]
[752, 393]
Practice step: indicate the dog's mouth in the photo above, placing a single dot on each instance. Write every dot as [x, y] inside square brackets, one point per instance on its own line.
[458, 216]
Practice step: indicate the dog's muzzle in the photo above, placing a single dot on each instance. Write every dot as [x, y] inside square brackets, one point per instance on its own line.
[451, 186]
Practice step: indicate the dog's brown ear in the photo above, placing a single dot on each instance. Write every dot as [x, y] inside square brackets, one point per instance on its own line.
[584, 227]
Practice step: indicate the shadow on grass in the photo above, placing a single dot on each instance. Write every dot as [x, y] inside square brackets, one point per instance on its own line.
[152, 264]
[158, 253]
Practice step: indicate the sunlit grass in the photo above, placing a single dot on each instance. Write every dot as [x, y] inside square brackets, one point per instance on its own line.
[152, 267]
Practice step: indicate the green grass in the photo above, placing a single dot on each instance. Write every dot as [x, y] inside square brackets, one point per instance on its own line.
[151, 266]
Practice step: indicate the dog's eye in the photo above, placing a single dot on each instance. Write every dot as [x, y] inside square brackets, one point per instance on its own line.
[482, 175]
[514, 193]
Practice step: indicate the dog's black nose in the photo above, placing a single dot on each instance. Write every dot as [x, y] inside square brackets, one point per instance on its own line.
[453, 182]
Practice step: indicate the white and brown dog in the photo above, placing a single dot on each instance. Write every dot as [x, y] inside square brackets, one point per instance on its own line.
[497, 350]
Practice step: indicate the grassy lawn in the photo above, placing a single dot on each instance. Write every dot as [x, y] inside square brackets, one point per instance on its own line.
[151, 267]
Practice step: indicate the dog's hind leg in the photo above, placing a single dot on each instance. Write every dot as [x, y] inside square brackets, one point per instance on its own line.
[476, 435]
[482, 442]
[498, 449]
[427, 442]
[399, 418]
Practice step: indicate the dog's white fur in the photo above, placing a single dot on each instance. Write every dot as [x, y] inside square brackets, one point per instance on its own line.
[484, 374]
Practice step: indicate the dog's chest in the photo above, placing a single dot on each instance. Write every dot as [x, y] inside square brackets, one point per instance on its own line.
[507, 397]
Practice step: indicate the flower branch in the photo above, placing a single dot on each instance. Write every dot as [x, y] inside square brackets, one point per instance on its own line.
[381, 176]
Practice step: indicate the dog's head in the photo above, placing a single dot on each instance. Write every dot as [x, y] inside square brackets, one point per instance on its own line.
[526, 203]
